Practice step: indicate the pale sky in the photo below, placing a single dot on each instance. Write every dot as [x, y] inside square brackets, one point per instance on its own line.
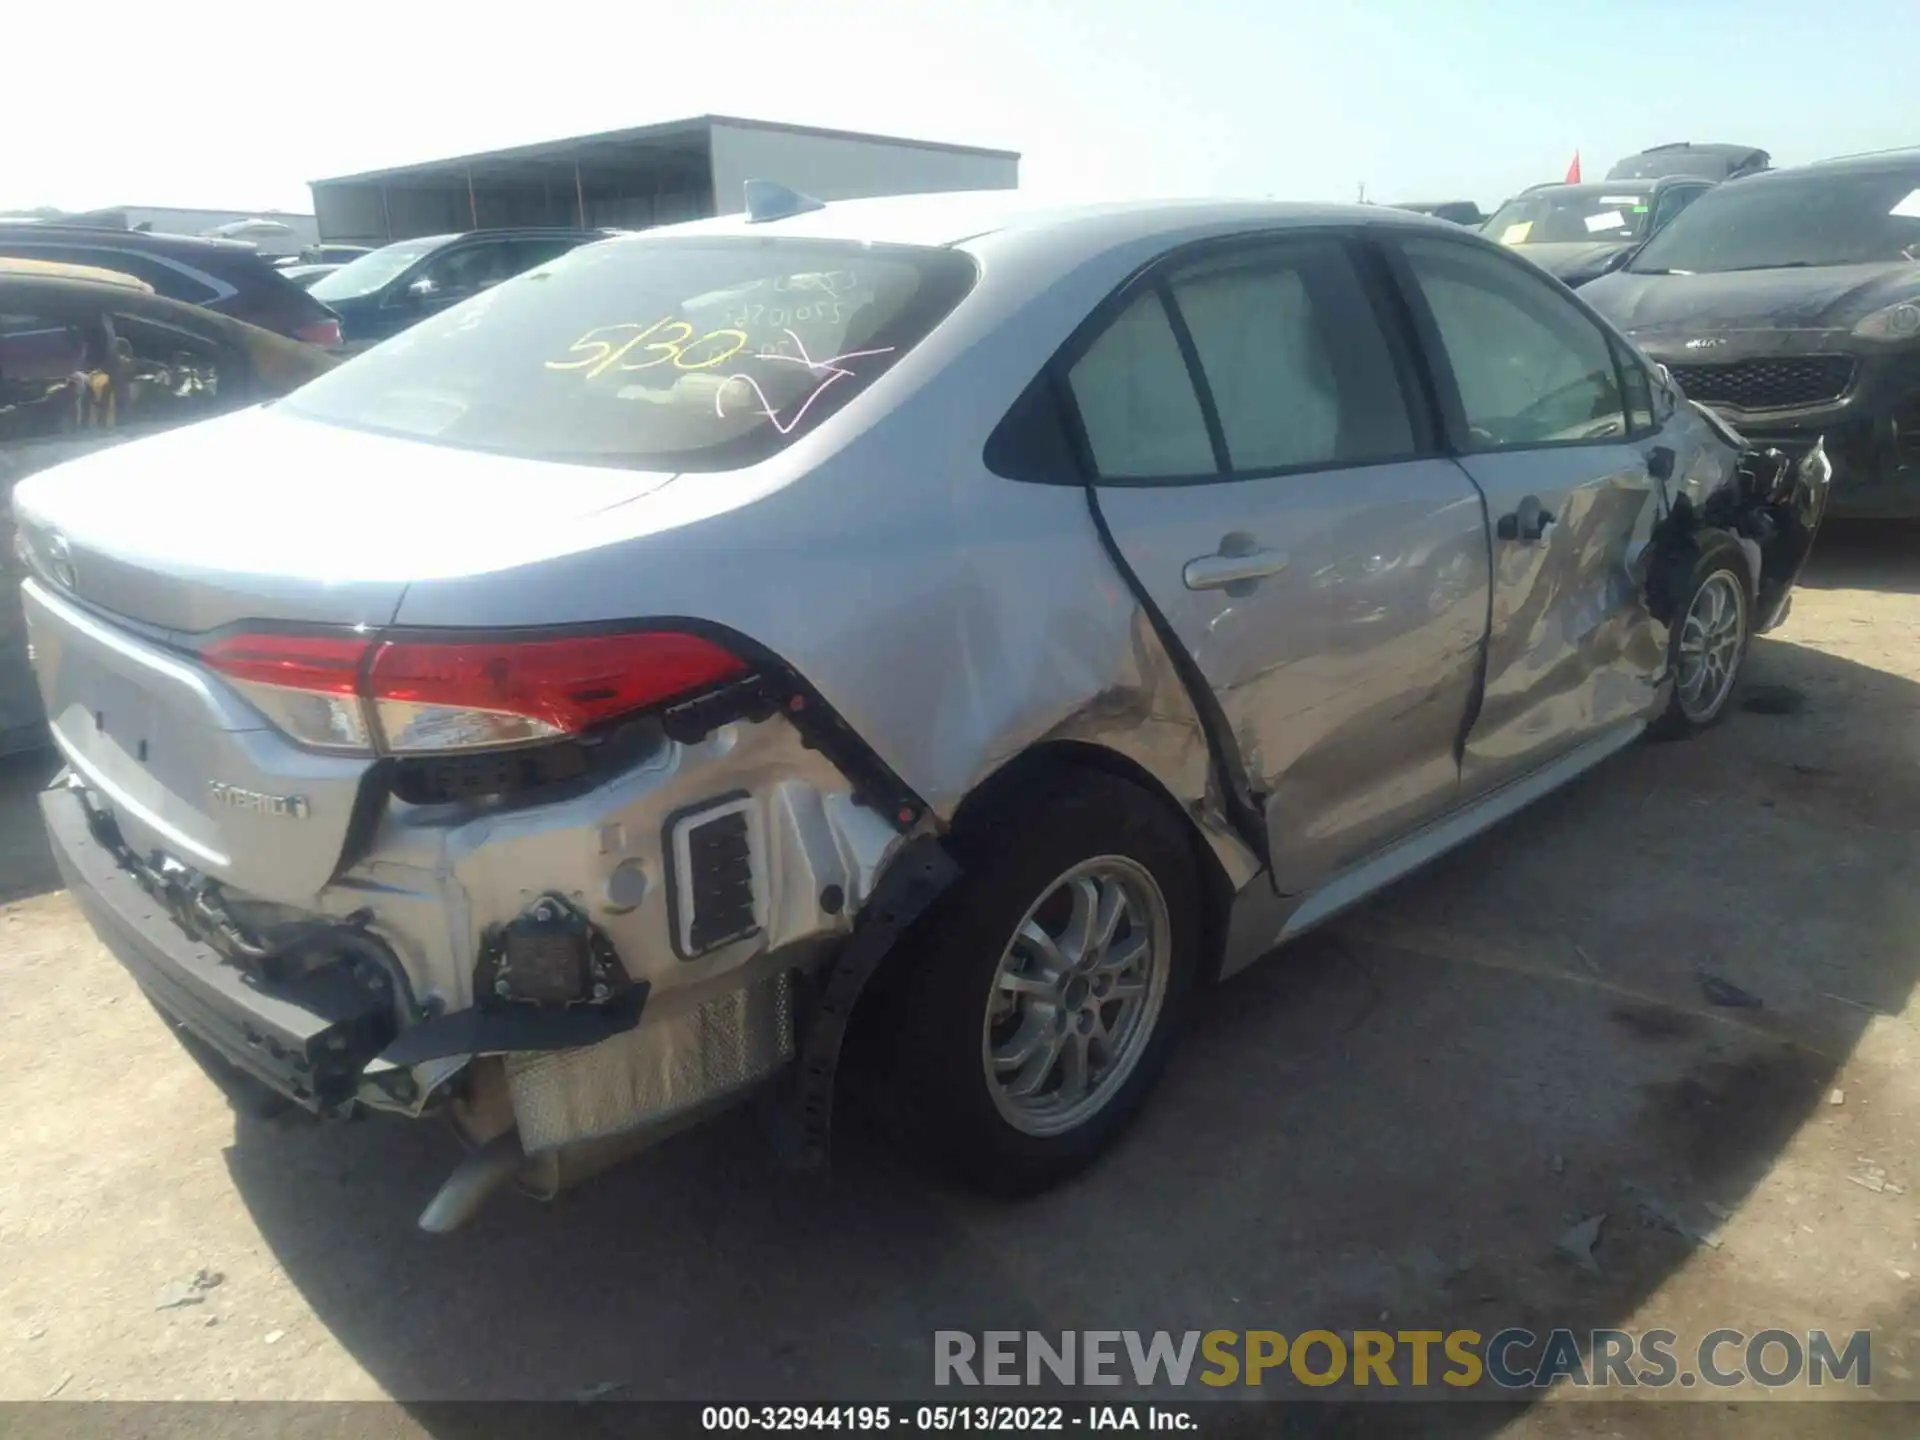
[237, 105]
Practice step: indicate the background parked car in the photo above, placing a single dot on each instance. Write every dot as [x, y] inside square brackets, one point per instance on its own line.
[1460, 212]
[223, 275]
[1683, 157]
[386, 290]
[1790, 302]
[1579, 232]
[89, 358]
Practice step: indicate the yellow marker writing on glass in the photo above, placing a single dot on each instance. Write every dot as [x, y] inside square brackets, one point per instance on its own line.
[602, 355]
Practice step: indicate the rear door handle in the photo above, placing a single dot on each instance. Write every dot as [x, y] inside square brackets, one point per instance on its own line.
[1220, 571]
[1530, 520]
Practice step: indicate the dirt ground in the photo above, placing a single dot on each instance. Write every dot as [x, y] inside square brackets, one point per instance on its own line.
[1393, 1124]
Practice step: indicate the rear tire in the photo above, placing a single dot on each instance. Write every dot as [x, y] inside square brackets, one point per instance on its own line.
[1707, 647]
[1044, 992]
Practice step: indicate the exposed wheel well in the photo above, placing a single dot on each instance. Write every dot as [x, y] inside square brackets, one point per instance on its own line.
[997, 799]
[1002, 790]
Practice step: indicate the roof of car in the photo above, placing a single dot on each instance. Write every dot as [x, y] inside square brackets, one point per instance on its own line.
[504, 232]
[1720, 159]
[41, 230]
[1699, 147]
[1902, 159]
[953, 217]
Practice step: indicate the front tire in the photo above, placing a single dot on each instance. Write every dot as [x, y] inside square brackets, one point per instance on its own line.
[1046, 989]
[1707, 648]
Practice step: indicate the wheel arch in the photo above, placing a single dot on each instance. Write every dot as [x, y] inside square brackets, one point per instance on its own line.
[874, 1010]
[1000, 791]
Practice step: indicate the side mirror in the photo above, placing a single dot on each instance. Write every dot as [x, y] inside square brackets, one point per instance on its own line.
[1619, 261]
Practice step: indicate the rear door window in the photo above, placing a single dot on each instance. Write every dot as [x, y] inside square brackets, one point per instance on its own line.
[1294, 361]
[1289, 370]
[1138, 407]
[690, 354]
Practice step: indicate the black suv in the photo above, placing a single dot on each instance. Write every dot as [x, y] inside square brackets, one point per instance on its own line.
[222, 275]
[1790, 302]
[386, 290]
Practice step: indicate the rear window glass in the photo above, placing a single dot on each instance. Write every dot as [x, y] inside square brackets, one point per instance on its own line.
[652, 353]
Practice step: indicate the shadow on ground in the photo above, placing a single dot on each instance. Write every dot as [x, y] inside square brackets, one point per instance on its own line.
[26, 865]
[1389, 1127]
[1879, 555]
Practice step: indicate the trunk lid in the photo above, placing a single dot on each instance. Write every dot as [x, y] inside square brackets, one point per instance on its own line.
[137, 551]
[262, 515]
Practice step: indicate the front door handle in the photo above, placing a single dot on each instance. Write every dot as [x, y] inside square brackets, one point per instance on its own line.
[1530, 520]
[1225, 570]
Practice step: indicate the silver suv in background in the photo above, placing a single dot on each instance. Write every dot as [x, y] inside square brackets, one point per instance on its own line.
[980, 624]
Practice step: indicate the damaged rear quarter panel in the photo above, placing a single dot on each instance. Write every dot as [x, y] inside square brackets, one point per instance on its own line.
[447, 873]
[951, 617]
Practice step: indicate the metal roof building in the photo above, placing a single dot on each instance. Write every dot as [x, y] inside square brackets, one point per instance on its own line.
[649, 175]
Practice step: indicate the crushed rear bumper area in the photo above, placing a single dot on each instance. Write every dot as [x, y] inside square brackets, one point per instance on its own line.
[307, 1037]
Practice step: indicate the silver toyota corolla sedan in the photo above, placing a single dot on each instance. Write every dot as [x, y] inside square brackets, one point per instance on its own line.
[929, 621]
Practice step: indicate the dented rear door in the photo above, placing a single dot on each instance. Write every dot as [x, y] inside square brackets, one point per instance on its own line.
[1269, 483]
[1547, 430]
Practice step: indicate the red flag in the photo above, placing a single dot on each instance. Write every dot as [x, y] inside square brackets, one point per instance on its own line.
[1573, 170]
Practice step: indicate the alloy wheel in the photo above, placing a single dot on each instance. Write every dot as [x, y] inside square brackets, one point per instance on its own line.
[1712, 637]
[1076, 995]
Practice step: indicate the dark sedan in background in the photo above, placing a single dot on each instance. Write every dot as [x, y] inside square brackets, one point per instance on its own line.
[386, 290]
[1790, 302]
[1579, 232]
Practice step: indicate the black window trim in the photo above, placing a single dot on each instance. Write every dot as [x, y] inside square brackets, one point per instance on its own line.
[1416, 385]
[1693, 189]
[1196, 374]
[1453, 409]
[1624, 358]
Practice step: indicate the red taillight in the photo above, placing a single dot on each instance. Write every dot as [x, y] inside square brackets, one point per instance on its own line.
[566, 684]
[308, 685]
[428, 695]
[320, 332]
[327, 663]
